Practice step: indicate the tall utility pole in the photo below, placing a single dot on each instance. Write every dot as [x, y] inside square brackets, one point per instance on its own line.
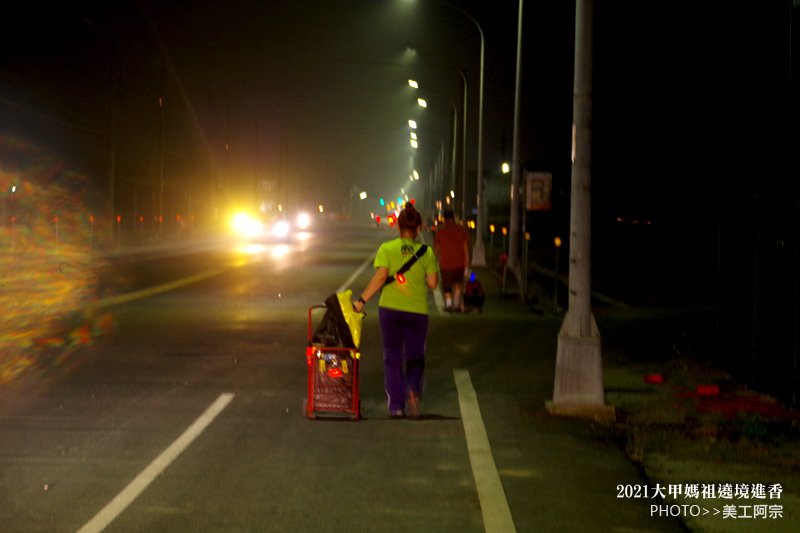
[478, 250]
[514, 218]
[161, 157]
[453, 153]
[578, 389]
[116, 81]
[463, 192]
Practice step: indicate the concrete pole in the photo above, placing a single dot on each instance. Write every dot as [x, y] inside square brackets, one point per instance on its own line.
[514, 218]
[463, 192]
[161, 158]
[116, 81]
[478, 251]
[578, 388]
[453, 157]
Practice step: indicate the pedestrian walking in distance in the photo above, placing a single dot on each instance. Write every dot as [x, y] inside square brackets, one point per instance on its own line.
[452, 250]
[403, 311]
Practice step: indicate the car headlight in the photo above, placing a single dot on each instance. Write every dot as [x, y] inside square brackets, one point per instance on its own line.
[303, 221]
[246, 226]
[280, 229]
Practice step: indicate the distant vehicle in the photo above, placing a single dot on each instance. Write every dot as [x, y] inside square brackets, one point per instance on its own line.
[281, 227]
[303, 221]
[249, 227]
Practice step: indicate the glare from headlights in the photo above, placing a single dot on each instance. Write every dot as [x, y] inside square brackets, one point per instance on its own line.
[250, 249]
[303, 221]
[280, 252]
[280, 229]
[246, 226]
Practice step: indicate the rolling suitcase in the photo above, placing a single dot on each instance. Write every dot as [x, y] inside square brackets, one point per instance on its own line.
[474, 295]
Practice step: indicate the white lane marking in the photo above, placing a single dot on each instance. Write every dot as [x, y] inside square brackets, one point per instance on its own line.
[494, 506]
[152, 291]
[438, 299]
[357, 273]
[122, 500]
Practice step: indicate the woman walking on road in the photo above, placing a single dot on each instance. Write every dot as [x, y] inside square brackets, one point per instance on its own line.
[403, 311]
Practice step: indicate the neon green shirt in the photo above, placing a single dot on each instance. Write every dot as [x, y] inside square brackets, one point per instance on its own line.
[411, 296]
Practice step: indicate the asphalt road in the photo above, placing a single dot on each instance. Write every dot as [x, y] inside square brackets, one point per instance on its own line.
[185, 414]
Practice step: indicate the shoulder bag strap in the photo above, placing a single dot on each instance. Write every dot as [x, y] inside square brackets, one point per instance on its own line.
[408, 264]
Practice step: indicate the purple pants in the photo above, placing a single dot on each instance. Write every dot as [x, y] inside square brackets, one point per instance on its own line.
[403, 342]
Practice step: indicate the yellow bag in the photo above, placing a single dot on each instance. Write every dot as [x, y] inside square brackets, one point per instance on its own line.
[352, 318]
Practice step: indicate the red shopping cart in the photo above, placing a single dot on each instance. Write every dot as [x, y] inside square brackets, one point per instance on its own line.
[332, 377]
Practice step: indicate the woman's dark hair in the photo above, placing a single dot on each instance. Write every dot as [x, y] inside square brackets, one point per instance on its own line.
[409, 218]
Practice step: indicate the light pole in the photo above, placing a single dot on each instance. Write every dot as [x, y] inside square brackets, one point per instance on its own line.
[578, 387]
[478, 251]
[513, 251]
[161, 158]
[414, 126]
[464, 152]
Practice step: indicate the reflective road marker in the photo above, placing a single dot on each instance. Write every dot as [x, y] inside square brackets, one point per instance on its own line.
[494, 506]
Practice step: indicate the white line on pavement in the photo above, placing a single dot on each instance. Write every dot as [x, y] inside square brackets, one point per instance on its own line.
[494, 506]
[122, 500]
[438, 299]
[352, 278]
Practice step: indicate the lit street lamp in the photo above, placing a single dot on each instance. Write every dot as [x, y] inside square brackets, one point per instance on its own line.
[478, 252]
[440, 161]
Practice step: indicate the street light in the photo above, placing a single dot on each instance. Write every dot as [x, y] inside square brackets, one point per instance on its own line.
[439, 164]
[436, 184]
[478, 252]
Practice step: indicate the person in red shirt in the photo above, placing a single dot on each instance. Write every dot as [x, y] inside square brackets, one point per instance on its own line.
[451, 245]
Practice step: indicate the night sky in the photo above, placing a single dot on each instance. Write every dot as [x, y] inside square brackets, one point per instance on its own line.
[312, 94]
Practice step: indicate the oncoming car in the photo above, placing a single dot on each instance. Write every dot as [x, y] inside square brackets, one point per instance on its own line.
[255, 228]
[278, 228]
